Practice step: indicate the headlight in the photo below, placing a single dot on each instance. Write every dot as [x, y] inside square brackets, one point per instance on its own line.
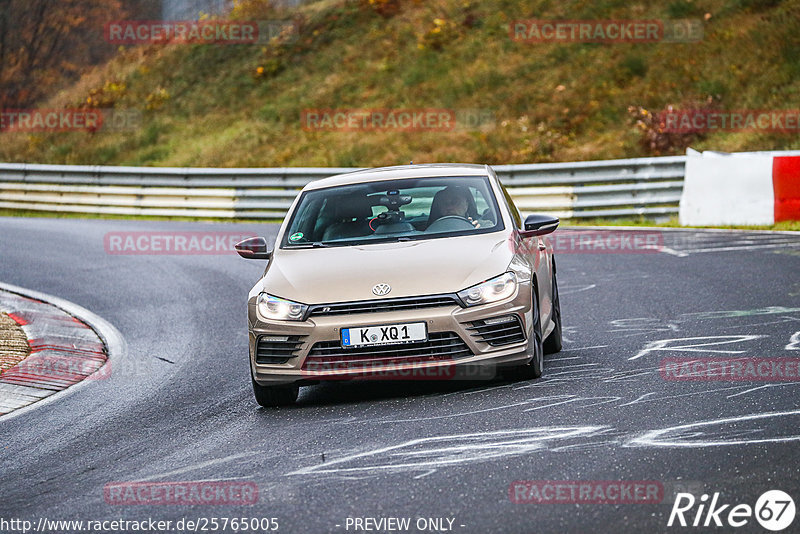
[497, 288]
[280, 309]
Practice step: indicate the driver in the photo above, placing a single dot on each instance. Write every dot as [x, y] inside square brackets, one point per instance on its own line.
[454, 204]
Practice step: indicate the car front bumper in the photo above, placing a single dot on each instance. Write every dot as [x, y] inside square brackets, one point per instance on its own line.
[459, 346]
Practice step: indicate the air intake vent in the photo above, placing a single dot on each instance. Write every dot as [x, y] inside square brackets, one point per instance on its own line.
[277, 349]
[498, 331]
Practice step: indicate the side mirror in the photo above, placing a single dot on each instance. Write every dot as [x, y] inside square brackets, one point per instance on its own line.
[253, 248]
[539, 225]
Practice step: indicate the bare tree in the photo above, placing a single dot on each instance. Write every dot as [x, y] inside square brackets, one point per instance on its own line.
[46, 43]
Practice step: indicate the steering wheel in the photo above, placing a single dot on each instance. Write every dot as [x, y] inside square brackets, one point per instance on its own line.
[453, 217]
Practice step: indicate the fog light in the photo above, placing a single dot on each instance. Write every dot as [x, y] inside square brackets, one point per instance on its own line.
[498, 320]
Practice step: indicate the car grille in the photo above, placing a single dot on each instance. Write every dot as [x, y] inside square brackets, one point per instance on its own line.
[440, 346]
[277, 349]
[496, 335]
[384, 305]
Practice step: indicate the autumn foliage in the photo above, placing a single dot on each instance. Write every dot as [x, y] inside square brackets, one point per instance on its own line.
[44, 44]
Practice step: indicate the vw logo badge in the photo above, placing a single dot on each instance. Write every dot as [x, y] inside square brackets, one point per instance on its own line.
[381, 289]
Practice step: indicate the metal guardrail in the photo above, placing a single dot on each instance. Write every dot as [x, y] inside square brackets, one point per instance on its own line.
[612, 188]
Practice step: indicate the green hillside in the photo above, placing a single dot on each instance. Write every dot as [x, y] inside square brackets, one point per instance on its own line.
[241, 105]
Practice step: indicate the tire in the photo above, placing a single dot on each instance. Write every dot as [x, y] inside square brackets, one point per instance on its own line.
[553, 342]
[272, 396]
[534, 368]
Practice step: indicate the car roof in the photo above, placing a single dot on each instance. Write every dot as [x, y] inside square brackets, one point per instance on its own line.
[428, 170]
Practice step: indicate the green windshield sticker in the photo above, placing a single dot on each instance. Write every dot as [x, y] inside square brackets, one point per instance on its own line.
[296, 237]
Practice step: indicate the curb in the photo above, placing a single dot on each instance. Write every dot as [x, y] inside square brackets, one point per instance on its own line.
[68, 335]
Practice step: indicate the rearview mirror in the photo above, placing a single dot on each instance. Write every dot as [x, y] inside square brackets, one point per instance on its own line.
[253, 248]
[539, 225]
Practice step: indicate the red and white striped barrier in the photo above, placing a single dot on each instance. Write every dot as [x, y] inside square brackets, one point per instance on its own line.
[786, 184]
[747, 188]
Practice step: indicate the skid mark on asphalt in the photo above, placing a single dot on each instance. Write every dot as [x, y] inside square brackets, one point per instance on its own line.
[726, 321]
[550, 367]
[602, 375]
[781, 320]
[584, 446]
[727, 314]
[628, 376]
[199, 466]
[794, 342]
[740, 430]
[686, 243]
[476, 390]
[583, 402]
[579, 402]
[566, 334]
[570, 349]
[784, 245]
[758, 388]
[570, 289]
[726, 344]
[431, 453]
[655, 397]
[701, 345]
[641, 325]
[446, 416]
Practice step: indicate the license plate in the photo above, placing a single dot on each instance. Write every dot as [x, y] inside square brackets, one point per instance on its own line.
[365, 336]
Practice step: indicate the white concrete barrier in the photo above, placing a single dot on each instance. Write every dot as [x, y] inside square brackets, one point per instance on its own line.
[730, 189]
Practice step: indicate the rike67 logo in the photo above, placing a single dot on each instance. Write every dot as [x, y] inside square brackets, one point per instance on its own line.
[774, 510]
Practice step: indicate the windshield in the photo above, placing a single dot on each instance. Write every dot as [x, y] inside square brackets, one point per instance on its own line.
[420, 208]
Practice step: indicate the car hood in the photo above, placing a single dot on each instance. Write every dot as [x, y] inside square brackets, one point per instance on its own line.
[426, 267]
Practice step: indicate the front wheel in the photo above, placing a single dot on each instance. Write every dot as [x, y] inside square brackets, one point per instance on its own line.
[534, 368]
[553, 342]
[271, 396]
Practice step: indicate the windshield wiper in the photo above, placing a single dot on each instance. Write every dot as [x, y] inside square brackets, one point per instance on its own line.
[388, 239]
[349, 243]
[315, 244]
